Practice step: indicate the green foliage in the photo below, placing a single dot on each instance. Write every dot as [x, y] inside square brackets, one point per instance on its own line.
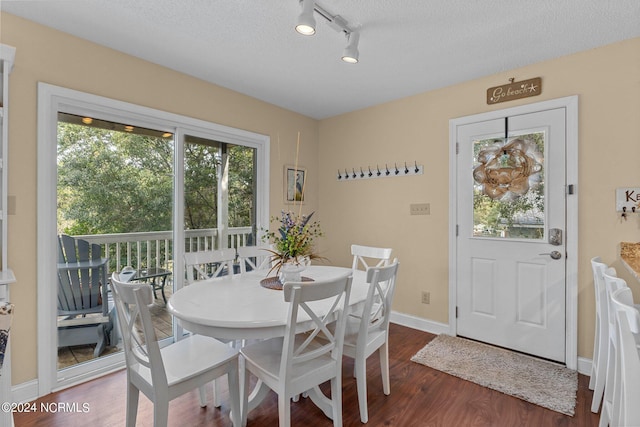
[112, 182]
[241, 186]
[119, 182]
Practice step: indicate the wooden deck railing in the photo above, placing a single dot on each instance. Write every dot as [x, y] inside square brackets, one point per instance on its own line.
[154, 249]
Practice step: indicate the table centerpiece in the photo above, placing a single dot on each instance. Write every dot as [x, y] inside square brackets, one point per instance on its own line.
[293, 247]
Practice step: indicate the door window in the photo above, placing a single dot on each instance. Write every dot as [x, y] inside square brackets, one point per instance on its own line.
[508, 193]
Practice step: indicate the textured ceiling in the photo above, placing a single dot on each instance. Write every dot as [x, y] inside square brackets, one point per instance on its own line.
[406, 46]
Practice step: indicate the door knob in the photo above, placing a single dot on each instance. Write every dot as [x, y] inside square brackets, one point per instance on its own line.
[554, 254]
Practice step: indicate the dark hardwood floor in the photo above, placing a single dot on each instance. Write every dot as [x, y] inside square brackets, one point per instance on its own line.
[420, 396]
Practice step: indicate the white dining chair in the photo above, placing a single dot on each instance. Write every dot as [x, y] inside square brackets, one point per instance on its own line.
[601, 337]
[627, 388]
[297, 363]
[608, 413]
[366, 333]
[202, 265]
[368, 256]
[252, 258]
[164, 374]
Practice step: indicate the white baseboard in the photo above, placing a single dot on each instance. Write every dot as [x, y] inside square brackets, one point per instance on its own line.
[25, 392]
[584, 364]
[29, 391]
[419, 323]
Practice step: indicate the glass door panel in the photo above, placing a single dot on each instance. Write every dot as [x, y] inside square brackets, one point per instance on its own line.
[219, 194]
[509, 181]
[115, 190]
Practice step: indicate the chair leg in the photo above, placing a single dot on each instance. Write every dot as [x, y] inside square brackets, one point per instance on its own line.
[607, 399]
[384, 368]
[160, 412]
[284, 410]
[596, 358]
[234, 395]
[598, 376]
[361, 381]
[102, 340]
[202, 395]
[246, 390]
[216, 393]
[132, 404]
[598, 391]
[336, 401]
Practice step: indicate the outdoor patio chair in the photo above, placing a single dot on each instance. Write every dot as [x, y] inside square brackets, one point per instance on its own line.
[84, 315]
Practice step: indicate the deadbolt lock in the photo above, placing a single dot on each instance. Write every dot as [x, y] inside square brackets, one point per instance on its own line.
[555, 236]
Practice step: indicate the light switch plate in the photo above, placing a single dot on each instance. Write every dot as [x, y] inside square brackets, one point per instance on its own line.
[420, 209]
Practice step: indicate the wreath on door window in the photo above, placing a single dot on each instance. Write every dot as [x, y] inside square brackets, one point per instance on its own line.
[508, 172]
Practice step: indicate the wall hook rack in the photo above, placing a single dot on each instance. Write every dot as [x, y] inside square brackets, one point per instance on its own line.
[387, 171]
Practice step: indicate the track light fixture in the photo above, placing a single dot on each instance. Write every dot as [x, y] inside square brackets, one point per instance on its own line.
[307, 26]
[306, 22]
[351, 53]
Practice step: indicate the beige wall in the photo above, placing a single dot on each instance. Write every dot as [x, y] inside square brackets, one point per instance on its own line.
[45, 55]
[368, 212]
[376, 212]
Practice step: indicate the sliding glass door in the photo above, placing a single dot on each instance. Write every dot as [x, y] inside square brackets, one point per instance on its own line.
[145, 186]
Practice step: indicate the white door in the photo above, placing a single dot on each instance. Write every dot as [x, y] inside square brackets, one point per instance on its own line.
[511, 232]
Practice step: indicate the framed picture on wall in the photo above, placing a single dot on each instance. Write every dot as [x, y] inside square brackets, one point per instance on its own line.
[294, 181]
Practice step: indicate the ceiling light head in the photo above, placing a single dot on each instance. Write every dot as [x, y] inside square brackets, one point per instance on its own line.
[306, 22]
[351, 53]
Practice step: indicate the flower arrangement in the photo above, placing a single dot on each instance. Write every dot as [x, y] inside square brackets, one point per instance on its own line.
[293, 241]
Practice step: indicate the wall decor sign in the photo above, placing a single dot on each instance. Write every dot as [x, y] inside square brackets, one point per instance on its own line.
[514, 90]
[628, 199]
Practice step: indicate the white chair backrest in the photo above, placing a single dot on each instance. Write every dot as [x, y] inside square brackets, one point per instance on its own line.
[382, 285]
[627, 381]
[140, 346]
[611, 284]
[255, 257]
[623, 301]
[204, 265]
[602, 298]
[320, 342]
[363, 255]
[598, 268]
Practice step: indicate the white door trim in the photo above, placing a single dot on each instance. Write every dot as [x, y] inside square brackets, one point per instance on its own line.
[570, 104]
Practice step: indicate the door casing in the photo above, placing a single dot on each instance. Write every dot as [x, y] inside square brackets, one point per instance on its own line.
[571, 105]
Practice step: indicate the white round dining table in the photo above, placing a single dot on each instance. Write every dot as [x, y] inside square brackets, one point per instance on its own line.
[238, 307]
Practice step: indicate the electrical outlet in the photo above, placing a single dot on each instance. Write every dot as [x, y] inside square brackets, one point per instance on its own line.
[420, 209]
[426, 297]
